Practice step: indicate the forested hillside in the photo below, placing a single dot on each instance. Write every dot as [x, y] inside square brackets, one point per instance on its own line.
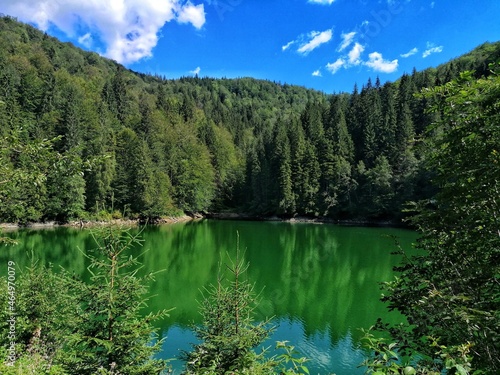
[82, 137]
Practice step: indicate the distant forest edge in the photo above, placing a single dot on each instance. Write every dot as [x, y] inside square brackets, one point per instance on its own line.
[83, 137]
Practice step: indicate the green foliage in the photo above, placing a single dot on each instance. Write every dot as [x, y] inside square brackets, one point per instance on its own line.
[44, 314]
[65, 188]
[290, 357]
[387, 360]
[228, 333]
[67, 326]
[39, 182]
[193, 176]
[23, 187]
[113, 335]
[31, 363]
[451, 291]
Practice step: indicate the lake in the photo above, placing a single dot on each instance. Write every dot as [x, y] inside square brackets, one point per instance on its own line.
[319, 282]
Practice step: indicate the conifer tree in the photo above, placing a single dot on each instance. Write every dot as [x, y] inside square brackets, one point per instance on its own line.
[285, 203]
[297, 150]
[228, 333]
[328, 189]
[112, 336]
[117, 95]
[65, 187]
[386, 138]
[371, 122]
[312, 121]
[339, 134]
[310, 185]
[405, 130]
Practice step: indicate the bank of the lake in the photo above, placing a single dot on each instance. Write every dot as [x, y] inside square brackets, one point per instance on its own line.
[357, 222]
[186, 217]
[127, 223]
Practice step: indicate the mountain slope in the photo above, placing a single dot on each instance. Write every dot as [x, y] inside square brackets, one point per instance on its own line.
[128, 144]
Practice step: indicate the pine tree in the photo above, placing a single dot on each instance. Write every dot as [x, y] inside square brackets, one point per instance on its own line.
[312, 121]
[228, 333]
[126, 183]
[371, 123]
[339, 134]
[70, 105]
[386, 138]
[112, 335]
[117, 95]
[310, 185]
[281, 169]
[405, 130]
[297, 150]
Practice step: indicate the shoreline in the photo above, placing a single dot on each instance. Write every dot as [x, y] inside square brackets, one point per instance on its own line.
[307, 219]
[84, 224]
[81, 224]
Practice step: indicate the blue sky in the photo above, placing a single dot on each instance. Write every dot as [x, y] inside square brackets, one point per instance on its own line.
[327, 45]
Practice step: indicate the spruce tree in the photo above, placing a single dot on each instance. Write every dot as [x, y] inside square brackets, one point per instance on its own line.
[228, 333]
[281, 164]
[113, 337]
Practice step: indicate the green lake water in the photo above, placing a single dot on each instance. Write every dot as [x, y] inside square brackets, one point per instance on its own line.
[319, 282]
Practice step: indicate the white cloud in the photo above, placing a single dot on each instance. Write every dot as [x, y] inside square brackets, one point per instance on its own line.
[193, 14]
[316, 39]
[322, 2]
[377, 63]
[317, 73]
[286, 46]
[334, 67]
[347, 39]
[409, 53]
[432, 49]
[196, 71]
[86, 40]
[355, 54]
[127, 28]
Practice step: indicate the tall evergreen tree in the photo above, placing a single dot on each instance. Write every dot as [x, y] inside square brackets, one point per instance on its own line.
[371, 122]
[339, 134]
[312, 121]
[281, 169]
[228, 334]
[310, 185]
[387, 135]
[405, 130]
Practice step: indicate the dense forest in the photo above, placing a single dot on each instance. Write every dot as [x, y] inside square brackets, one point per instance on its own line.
[83, 137]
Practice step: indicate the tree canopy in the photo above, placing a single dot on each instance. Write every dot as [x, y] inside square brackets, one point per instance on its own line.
[450, 292]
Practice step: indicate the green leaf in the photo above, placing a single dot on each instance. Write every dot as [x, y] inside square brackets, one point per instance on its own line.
[408, 370]
[461, 370]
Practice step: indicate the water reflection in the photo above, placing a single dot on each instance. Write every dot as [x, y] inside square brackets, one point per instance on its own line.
[319, 282]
